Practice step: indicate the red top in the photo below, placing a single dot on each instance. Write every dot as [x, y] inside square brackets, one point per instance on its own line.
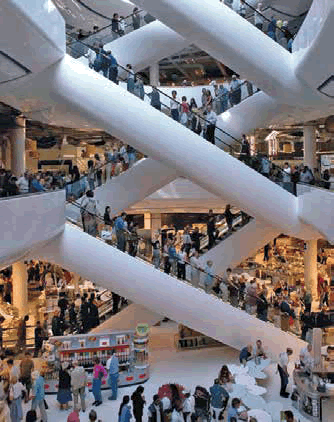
[185, 107]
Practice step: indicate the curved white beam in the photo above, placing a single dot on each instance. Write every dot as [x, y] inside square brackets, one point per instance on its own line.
[165, 295]
[113, 108]
[212, 27]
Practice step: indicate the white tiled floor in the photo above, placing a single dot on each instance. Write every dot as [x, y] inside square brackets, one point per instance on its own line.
[189, 368]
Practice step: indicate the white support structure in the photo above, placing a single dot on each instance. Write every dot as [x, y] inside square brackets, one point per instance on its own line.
[199, 161]
[154, 75]
[310, 146]
[165, 295]
[18, 154]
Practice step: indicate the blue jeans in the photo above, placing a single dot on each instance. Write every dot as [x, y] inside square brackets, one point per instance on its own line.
[97, 389]
[91, 184]
[284, 379]
[175, 114]
[113, 384]
[132, 158]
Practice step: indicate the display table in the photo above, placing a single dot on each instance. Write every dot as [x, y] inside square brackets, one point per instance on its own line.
[260, 415]
[309, 400]
[256, 370]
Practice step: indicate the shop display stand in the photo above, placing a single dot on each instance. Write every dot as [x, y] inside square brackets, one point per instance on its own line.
[131, 350]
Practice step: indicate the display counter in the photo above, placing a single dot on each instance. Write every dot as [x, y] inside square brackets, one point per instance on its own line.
[131, 350]
[309, 400]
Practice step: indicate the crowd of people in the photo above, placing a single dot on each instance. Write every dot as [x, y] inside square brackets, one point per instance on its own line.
[275, 28]
[29, 182]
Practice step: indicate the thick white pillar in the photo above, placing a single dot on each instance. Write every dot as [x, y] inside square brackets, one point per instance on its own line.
[18, 150]
[310, 147]
[310, 267]
[154, 75]
[155, 222]
[20, 288]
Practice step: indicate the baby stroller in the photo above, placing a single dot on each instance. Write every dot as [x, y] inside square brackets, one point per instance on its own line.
[202, 404]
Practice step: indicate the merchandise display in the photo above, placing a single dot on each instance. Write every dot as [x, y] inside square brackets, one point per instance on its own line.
[131, 350]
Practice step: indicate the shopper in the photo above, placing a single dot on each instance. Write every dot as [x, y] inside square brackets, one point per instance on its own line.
[174, 107]
[124, 414]
[121, 230]
[64, 386]
[181, 263]
[138, 402]
[130, 79]
[258, 17]
[211, 229]
[39, 338]
[209, 276]
[113, 369]
[156, 410]
[235, 90]
[26, 368]
[184, 111]
[155, 98]
[57, 324]
[113, 68]
[246, 354]
[211, 120]
[16, 390]
[22, 333]
[195, 269]
[89, 214]
[282, 368]
[136, 18]
[156, 256]
[79, 381]
[98, 374]
[38, 395]
[219, 399]
[74, 416]
[92, 416]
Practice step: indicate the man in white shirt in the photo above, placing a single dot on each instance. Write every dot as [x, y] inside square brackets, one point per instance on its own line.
[23, 183]
[211, 119]
[174, 107]
[283, 371]
[305, 356]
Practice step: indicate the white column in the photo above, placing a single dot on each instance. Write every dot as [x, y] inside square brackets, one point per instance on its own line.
[155, 222]
[310, 267]
[154, 74]
[147, 220]
[18, 139]
[310, 147]
[20, 288]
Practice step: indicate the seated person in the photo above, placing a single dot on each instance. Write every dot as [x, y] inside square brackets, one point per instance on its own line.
[259, 350]
[246, 354]
[225, 375]
[236, 411]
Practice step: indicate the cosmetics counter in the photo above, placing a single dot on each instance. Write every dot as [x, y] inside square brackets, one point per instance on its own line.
[131, 349]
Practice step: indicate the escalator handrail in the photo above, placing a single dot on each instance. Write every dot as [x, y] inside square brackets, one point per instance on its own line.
[144, 258]
[186, 282]
[282, 171]
[101, 29]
